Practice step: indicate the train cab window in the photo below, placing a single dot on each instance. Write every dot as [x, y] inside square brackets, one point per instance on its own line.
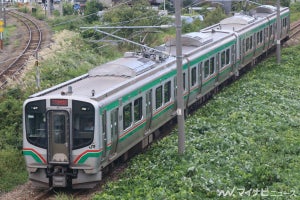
[193, 76]
[138, 109]
[59, 129]
[83, 124]
[158, 97]
[167, 91]
[127, 116]
[35, 123]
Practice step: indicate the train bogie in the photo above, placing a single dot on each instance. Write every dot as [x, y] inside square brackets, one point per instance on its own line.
[75, 130]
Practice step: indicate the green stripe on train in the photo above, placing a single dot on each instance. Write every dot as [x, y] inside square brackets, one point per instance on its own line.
[33, 155]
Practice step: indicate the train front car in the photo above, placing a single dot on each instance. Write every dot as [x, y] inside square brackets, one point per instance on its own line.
[58, 133]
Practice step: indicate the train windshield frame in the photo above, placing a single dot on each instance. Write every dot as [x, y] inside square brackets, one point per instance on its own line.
[83, 117]
[35, 123]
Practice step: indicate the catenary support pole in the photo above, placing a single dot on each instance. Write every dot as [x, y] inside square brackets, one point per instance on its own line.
[278, 51]
[180, 105]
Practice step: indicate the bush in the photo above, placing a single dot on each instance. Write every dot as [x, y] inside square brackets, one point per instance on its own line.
[68, 9]
[12, 169]
[91, 10]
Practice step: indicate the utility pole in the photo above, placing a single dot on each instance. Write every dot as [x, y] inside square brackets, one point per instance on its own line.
[38, 72]
[49, 5]
[278, 53]
[1, 24]
[180, 104]
[61, 8]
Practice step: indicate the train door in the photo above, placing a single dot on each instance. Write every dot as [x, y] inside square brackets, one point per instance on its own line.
[59, 141]
[148, 109]
[114, 131]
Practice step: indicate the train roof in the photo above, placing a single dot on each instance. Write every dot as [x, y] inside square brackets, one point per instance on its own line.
[113, 76]
[129, 66]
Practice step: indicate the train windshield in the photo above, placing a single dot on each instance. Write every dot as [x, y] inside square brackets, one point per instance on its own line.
[35, 122]
[83, 124]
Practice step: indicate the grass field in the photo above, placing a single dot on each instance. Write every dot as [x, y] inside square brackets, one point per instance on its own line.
[245, 143]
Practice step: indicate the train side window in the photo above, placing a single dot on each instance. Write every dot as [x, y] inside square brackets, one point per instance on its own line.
[257, 38]
[271, 30]
[193, 76]
[167, 91]
[247, 44]
[127, 116]
[227, 56]
[261, 36]
[284, 22]
[206, 68]
[250, 41]
[212, 65]
[223, 59]
[266, 33]
[138, 109]
[158, 97]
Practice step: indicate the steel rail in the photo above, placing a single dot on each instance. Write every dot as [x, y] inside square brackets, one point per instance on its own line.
[34, 31]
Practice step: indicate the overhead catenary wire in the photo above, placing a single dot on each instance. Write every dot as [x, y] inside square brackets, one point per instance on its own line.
[81, 17]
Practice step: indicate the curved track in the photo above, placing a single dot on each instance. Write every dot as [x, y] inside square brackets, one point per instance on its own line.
[11, 68]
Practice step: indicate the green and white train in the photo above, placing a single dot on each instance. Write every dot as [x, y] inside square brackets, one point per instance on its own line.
[76, 129]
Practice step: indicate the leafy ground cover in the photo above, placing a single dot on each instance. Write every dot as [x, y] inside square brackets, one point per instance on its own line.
[10, 161]
[245, 142]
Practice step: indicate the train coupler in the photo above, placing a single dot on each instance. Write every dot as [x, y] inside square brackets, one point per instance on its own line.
[59, 181]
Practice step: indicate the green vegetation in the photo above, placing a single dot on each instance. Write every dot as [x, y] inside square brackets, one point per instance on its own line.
[295, 12]
[245, 138]
[10, 161]
[8, 30]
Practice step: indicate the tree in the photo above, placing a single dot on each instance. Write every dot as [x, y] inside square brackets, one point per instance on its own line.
[214, 16]
[91, 10]
[139, 13]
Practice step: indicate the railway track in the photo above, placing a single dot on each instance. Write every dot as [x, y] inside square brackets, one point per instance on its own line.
[33, 34]
[295, 29]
